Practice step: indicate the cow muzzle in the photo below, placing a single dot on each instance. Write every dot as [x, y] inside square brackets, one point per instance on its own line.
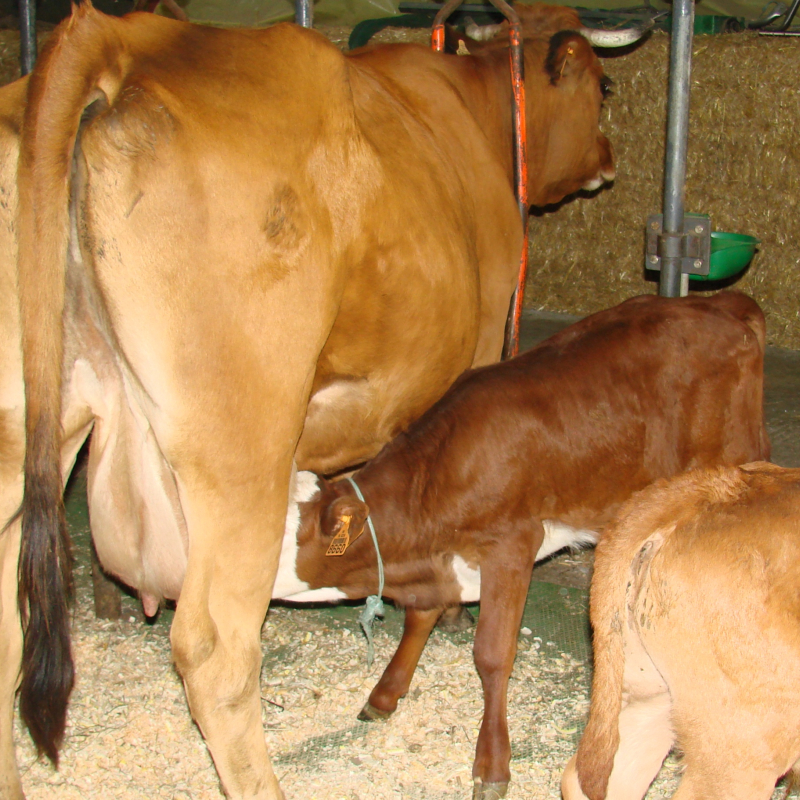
[605, 171]
[616, 38]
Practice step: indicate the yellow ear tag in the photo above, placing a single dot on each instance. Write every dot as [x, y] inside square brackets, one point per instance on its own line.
[570, 52]
[341, 541]
[462, 48]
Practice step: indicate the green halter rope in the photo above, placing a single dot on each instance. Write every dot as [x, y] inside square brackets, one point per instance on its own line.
[374, 606]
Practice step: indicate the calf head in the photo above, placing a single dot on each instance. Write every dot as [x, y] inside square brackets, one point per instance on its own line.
[316, 561]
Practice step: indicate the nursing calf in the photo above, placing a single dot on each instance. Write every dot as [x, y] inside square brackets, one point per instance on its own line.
[520, 459]
[696, 618]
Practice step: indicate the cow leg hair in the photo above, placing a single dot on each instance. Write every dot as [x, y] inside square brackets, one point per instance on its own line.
[505, 577]
[107, 595]
[10, 659]
[397, 676]
[456, 619]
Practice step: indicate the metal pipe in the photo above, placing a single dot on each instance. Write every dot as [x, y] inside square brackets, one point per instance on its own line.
[304, 13]
[680, 68]
[27, 35]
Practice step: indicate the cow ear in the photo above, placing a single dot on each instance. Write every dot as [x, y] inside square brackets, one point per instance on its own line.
[567, 57]
[343, 523]
[455, 42]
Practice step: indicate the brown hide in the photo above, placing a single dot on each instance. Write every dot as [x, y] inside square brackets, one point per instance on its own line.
[565, 432]
[260, 248]
[696, 621]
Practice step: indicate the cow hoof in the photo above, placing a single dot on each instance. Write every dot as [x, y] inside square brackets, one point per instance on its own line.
[489, 791]
[369, 713]
[455, 620]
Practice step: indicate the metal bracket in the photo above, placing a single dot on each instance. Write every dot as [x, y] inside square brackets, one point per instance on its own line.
[692, 247]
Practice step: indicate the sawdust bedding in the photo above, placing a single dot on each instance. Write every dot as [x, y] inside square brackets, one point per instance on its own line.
[130, 734]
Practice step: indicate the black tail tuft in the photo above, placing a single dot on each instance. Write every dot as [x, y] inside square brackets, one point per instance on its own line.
[45, 591]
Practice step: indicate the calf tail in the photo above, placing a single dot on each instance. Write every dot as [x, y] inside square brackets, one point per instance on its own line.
[66, 79]
[621, 563]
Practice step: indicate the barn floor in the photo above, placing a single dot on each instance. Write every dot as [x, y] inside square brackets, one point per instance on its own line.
[130, 735]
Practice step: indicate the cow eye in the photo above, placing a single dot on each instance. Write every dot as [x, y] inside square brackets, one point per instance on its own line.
[605, 86]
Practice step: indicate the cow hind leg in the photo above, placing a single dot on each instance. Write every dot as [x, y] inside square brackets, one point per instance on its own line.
[10, 659]
[397, 676]
[738, 783]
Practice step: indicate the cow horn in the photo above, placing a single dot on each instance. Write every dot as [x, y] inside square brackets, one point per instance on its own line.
[482, 33]
[618, 38]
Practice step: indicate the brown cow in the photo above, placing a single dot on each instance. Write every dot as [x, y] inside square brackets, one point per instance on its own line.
[261, 250]
[696, 618]
[521, 458]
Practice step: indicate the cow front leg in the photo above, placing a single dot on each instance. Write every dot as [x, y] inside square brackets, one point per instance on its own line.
[505, 577]
[397, 676]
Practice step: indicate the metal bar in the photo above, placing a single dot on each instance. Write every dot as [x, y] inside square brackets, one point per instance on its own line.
[680, 68]
[27, 35]
[517, 66]
[304, 13]
[787, 20]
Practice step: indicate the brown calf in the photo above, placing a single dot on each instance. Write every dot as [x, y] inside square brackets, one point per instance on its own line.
[696, 618]
[521, 458]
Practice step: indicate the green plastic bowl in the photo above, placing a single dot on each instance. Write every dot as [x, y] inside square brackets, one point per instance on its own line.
[730, 253]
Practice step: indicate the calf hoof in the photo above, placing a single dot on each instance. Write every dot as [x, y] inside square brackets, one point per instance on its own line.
[489, 791]
[369, 713]
[455, 620]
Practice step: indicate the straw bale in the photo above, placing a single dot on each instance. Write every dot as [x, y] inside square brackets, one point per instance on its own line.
[743, 169]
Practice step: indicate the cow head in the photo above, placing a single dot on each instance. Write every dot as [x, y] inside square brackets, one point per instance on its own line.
[565, 86]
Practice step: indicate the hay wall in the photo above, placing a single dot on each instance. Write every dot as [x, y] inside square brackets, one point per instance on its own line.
[743, 169]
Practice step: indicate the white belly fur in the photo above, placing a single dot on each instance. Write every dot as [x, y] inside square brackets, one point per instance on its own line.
[557, 536]
[288, 586]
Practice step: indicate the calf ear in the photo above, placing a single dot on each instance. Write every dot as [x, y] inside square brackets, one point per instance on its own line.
[568, 56]
[343, 522]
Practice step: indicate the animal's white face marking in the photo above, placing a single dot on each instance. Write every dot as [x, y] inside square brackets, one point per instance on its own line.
[469, 579]
[288, 586]
[558, 535]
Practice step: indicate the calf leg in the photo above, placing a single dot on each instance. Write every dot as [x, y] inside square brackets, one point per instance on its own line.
[504, 586]
[397, 676]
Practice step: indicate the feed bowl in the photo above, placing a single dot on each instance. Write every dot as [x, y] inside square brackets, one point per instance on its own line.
[730, 253]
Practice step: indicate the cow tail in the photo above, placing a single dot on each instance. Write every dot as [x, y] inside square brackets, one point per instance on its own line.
[67, 78]
[621, 565]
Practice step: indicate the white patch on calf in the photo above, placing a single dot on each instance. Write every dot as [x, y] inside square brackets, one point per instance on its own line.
[303, 487]
[469, 579]
[557, 536]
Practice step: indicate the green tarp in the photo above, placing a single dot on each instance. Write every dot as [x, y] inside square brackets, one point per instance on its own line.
[348, 12]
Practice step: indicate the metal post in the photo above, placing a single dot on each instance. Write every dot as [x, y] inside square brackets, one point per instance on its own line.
[304, 13]
[680, 68]
[27, 35]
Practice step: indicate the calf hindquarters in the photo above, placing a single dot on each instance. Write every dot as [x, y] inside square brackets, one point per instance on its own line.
[714, 609]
